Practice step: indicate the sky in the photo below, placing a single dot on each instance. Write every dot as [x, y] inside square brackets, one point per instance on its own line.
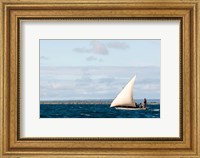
[98, 69]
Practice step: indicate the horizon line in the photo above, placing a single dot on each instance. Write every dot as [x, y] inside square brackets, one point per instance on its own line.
[95, 99]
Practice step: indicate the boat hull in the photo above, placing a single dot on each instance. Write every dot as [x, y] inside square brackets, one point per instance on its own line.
[130, 108]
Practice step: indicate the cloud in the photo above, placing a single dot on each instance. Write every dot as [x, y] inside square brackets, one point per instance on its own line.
[101, 48]
[55, 84]
[96, 47]
[92, 58]
[143, 73]
[83, 81]
[118, 45]
[44, 58]
[82, 50]
[150, 87]
[97, 82]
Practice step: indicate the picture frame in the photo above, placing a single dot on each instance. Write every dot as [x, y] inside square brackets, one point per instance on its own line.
[12, 12]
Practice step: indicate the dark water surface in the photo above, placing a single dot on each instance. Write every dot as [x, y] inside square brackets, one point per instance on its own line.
[95, 111]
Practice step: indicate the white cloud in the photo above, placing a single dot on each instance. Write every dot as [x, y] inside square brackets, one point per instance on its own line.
[97, 82]
[82, 50]
[100, 48]
[92, 58]
[96, 47]
[117, 45]
[44, 58]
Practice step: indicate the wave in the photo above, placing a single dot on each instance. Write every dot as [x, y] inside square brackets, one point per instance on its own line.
[155, 110]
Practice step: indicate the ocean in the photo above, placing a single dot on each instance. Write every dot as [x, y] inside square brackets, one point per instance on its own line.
[95, 109]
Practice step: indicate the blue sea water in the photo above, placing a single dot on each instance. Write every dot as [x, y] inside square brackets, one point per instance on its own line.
[95, 110]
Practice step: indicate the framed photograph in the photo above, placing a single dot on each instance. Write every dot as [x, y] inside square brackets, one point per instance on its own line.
[99, 79]
[83, 77]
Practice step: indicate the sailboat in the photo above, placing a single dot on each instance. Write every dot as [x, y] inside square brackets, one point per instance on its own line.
[124, 99]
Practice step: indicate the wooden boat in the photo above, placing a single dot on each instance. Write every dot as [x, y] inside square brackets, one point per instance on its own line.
[124, 99]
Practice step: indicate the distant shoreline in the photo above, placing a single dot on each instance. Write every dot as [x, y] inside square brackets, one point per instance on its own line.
[92, 102]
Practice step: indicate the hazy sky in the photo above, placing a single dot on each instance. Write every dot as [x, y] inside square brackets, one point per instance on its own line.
[98, 69]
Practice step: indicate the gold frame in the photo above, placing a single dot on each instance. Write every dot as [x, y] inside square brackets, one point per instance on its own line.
[11, 145]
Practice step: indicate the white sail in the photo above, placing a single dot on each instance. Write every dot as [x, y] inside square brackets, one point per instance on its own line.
[125, 97]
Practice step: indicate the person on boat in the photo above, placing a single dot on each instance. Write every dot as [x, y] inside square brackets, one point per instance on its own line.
[145, 103]
[140, 105]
